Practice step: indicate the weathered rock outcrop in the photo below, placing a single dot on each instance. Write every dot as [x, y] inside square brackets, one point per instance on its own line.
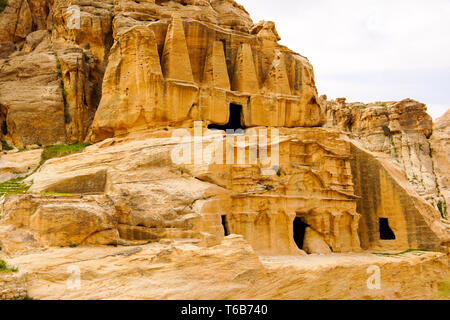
[43, 56]
[232, 270]
[31, 98]
[155, 198]
[57, 221]
[299, 192]
[414, 223]
[440, 143]
[194, 60]
[399, 129]
[19, 164]
[169, 67]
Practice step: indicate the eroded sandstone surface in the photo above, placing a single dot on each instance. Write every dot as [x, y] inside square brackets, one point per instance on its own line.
[301, 195]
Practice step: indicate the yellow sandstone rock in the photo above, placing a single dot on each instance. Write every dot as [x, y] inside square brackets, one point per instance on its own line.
[289, 207]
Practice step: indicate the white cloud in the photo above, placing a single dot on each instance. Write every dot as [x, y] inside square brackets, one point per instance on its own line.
[358, 48]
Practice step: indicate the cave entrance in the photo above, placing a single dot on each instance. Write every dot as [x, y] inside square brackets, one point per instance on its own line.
[299, 231]
[3, 120]
[226, 231]
[386, 232]
[4, 127]
[234, 121]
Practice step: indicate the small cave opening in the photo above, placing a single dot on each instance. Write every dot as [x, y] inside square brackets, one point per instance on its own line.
[226, 231]
[299, 231]
[234, 121]
[386, 232]
[4, 127]
[3, 120]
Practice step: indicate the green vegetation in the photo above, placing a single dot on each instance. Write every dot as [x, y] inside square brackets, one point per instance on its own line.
[73, 245]
[3, 5]
[85, 57]
[66, 115]
[58, 151]
[393, 146]
[6, 146]
[5, 269]
[266, 187]
[444, 289]
[420, 146]
[13, 186]
[387, 254]
[16, 185]
[54, 194]
[442, 206]
[386, 131]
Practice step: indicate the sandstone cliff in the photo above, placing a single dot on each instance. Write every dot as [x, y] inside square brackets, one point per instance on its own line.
[440, 143]
[166, 63]
[404, 131]
[336, 184]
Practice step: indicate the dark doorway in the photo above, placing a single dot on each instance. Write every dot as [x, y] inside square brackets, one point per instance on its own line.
[386, 232]
[225, 226]
[3, 118]
[234, 122]
[4, 128]
[299, 232]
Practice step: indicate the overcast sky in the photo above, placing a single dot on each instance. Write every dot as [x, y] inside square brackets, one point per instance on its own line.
[369, 50]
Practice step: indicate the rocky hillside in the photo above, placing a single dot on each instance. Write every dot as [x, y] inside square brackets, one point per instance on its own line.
[99, 104]
[404, 131]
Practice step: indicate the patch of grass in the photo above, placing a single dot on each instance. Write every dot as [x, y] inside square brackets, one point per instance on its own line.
[27, 297]
[444, 289]
[420, 146]
[387, 254]
[66, 116]
[58, 151]
[85, 57]
[73, 245]
[6, 146]
[54, 194]
[442, 206]
[3, 5]
[14, 186]
[267, 187]
[5, 269]
[393, 146]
